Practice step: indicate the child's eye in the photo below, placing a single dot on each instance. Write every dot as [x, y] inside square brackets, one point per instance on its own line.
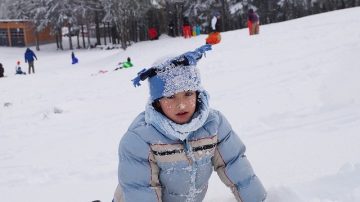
[171, 97]
[189, 93]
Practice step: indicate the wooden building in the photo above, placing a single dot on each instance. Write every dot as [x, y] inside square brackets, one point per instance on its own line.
[20, 33]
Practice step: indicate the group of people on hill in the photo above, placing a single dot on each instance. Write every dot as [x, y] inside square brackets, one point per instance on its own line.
[253, 24]
[188, 31]
[214, 37]
[29, 58]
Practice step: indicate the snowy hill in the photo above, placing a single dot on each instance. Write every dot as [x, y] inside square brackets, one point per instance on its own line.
[291, 93]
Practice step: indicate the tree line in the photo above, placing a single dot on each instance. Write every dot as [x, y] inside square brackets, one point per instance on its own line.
[127, 21]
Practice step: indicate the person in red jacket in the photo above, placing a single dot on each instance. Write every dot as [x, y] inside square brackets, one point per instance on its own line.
[152, 32]
[253, 22]
[186, 28]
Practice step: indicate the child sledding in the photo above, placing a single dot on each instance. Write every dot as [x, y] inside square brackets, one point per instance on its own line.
[18, 69]
[214, 36]
[120, 65]
[74, 59]
[126, 64]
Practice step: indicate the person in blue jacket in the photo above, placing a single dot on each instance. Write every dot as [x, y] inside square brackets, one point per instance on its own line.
[74, 60]
[170, 150]
[29, 58]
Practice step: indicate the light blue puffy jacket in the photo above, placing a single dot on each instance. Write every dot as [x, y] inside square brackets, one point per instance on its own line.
[156, 165]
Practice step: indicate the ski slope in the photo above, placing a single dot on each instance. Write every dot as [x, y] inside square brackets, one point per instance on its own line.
[291, 93]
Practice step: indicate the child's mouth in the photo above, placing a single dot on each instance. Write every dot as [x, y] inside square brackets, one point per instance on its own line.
[181, 113]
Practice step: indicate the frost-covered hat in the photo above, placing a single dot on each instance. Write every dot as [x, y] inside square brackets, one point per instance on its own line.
[173, 75]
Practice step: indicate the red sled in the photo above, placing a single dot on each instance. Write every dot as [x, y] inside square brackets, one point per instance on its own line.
[213, 38]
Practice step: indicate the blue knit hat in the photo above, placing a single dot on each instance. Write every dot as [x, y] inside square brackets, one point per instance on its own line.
[173, 75]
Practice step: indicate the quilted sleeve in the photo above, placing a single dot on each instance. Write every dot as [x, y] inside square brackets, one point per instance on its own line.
[233, 167]
[137, 173]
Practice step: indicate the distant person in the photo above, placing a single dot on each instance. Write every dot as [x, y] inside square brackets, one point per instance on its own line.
[171, 29]
[253, 22]
[126, 64]
[18, 69]
[29, 58]
[1, 70]
[153, 34]
[215, 22]
[214, 35]
[74, 59]
[186, 28]
[198, 30]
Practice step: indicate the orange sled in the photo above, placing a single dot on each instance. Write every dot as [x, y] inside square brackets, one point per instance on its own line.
[213, 38]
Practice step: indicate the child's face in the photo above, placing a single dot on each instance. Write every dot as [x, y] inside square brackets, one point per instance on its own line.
[179, 107]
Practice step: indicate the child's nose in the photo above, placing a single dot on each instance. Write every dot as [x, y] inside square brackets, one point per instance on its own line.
[181, 106]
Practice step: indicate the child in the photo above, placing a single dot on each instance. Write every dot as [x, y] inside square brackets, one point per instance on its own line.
[74, 60]
[126, 64]
[214, 36]
[18, 68]
[170, 150]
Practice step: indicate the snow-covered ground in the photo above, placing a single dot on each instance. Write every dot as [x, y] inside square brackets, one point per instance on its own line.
[291, 93]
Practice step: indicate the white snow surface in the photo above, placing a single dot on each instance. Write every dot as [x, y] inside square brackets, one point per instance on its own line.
[291, 93]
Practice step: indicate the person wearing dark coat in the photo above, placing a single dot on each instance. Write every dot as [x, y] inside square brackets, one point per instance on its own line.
[171, 29]
[1, 70]
[29, 58]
